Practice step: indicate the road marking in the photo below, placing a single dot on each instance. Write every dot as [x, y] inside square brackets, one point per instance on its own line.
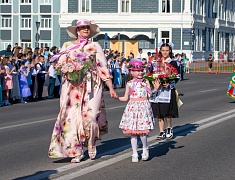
[209, 90]
[216, 116]
[178, 131]
[116, 107]
[45, 120]
[116, 159]
[25, 124]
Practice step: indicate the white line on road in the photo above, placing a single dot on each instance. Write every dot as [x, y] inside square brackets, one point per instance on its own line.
[128, 154]
[45, 120]
[116, 107]
[209, 90]
[25, 124]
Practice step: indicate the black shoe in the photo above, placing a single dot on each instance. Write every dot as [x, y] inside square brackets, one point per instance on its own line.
[169, 133]
[161, 136]
[41, 99]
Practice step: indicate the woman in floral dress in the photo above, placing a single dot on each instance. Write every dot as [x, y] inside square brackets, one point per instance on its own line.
[82, 116]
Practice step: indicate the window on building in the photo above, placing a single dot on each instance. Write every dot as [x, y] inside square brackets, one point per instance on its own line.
[5, 44]
[45, 21]
[203, 40]
[25, 43]
[166, 6]
[5, 1]
[202, 7]
[44, 44]
[143, 44]
[165, 36]
[125, 6]
[85, 4]
[26, 22]
[45, 1]
[25, 1]
[6, 21]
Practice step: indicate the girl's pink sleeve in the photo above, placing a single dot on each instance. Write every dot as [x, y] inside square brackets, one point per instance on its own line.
[101, 62]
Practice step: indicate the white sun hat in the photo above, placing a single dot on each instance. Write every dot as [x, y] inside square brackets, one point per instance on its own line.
[94, 28]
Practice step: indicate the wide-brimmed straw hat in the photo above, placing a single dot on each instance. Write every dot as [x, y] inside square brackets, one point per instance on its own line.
[136, 64]
[94, 28]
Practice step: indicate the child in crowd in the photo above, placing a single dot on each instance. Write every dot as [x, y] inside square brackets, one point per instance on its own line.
[52, 78]
[187, 65]
[164, 103]
[137, 118]
[15, 92]
[24, 87]
[124, 70]
[7, 84]
[2, 71]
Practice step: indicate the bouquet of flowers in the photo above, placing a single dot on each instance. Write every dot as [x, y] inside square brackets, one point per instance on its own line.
[168, 76]
[76, 64]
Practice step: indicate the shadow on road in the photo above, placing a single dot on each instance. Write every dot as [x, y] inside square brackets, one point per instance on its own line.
[113, 144]
[38, 175]
[163, 147]
[109, 147]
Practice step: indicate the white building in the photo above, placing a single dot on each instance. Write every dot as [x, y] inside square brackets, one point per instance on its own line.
[196, 27]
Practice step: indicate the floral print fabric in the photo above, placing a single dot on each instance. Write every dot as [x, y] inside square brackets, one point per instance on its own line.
[82, 115]
[138, 116]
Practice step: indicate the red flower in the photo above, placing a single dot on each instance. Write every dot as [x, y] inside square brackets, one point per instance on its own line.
[150, 74]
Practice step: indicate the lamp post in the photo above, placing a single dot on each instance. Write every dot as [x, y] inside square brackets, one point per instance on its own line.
[37, 37]
[193, 44]
[119, 37]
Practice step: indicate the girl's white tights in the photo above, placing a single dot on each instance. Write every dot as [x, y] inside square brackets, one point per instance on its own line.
[134, 143]
[144, 142]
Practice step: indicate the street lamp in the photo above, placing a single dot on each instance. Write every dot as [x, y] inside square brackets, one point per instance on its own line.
[119, 37]
[37, 37]
[193, 44]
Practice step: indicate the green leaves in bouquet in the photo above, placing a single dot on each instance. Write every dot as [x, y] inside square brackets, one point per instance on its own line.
[77, 76]
[150, 79]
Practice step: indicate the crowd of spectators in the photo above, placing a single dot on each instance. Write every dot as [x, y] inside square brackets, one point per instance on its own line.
[23, 73]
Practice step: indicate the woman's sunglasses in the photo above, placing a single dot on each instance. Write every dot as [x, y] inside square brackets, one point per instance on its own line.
[84, 27]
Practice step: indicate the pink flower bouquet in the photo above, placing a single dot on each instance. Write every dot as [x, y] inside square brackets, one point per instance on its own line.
[76, 64]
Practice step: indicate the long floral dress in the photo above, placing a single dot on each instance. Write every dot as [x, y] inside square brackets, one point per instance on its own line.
[82, 115]
[137, 118]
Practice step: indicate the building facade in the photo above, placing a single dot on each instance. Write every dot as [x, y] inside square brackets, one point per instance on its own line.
[18, 23]
[196, 27]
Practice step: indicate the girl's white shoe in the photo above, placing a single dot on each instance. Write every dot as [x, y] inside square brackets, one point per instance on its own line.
[135, 158]
[145, 154]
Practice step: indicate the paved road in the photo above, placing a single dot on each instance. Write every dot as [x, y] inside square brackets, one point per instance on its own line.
[202, 148]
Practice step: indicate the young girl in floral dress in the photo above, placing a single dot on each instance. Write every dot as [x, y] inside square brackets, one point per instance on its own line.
[137, 118]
